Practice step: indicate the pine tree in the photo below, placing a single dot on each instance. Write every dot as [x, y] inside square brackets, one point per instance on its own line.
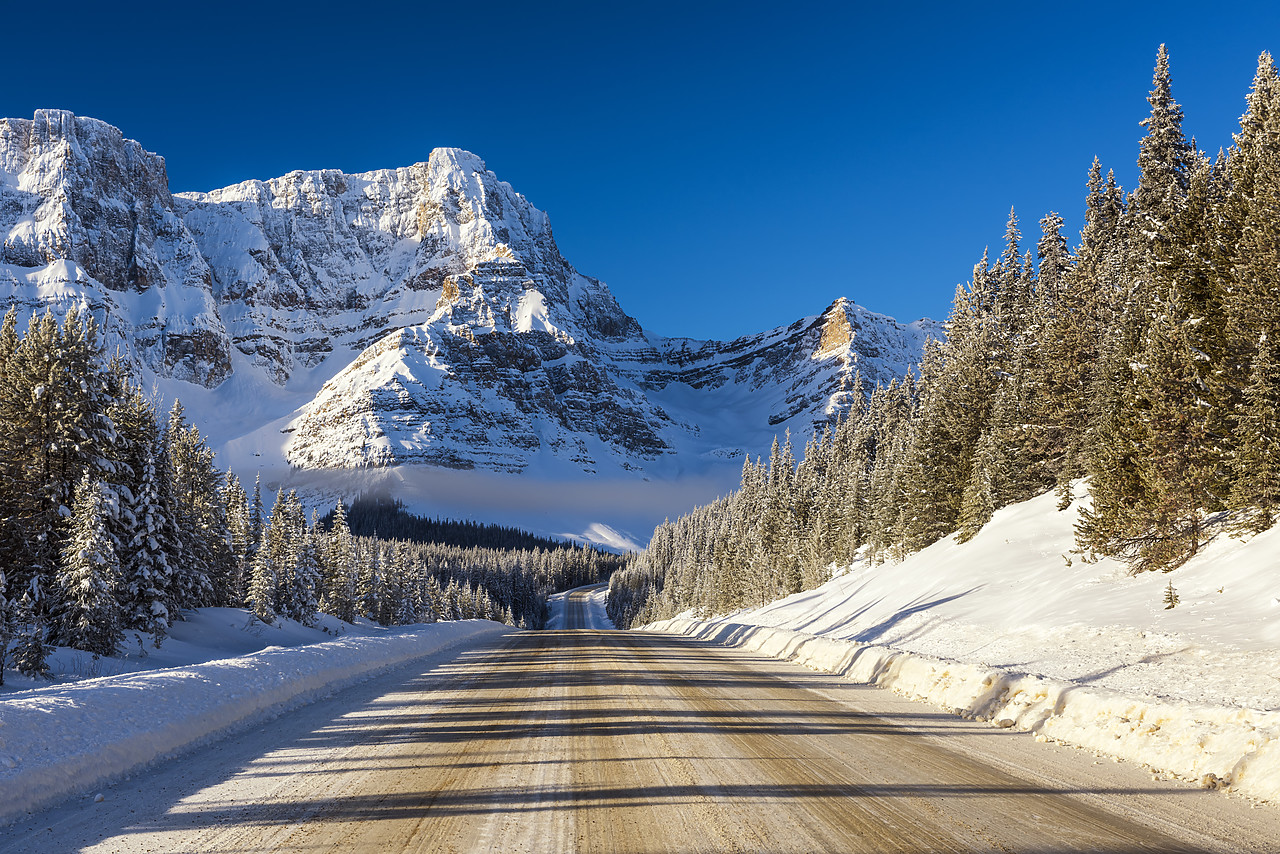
[54, 405]
[145, 571]
[1255, 495]
[1118, 458]
[957, 388]
[256, 518]
[1164, 156]
[339, 574]
[200, 555]
[1181, 407]
[301, 601]
[31, 648]
[1069, 350]
[241, 540]
[270, 566]
[88, 616]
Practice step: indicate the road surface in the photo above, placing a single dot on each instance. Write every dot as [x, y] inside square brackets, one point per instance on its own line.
[589, 740]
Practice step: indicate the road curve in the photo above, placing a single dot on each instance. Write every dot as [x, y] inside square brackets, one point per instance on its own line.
[584, 740]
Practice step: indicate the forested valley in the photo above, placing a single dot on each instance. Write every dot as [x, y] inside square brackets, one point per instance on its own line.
[1142, 365]
[114, 518]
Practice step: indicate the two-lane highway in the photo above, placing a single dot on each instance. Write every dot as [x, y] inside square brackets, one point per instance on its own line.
[588, 740]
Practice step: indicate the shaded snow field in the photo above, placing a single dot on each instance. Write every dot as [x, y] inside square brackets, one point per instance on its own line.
[1013, 628]
[220, 672]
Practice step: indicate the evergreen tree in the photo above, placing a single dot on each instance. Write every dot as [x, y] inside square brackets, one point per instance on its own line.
[301, 599]
[199, 554]
[1164, 156]
[30, 648]
[1256, 491]
[241, 540]
[88, 616]
[270, 566]
[54, 405]
[339, 573]
[145, 572]
[135, 511]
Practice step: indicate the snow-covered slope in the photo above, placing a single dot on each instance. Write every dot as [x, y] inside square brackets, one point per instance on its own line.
[402, 317]
[1013, 627]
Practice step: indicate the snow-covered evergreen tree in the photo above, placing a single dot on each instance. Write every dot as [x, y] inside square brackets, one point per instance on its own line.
[241, 540]
[30, 654]
[339, 572]
[145, 572]
[88, 613]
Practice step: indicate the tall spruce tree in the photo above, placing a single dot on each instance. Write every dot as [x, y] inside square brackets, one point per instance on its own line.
[88, 614]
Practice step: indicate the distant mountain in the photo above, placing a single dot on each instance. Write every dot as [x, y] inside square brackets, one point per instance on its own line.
[413, 316]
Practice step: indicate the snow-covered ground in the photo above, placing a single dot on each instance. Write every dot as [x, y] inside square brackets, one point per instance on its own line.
[593, 614]
[1015, 628]
[219, 672]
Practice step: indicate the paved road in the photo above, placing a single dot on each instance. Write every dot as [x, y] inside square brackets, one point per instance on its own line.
[619, 741]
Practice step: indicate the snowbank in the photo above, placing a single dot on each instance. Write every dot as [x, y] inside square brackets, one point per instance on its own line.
[1014, 627]
[1212, 745]
[64, 739]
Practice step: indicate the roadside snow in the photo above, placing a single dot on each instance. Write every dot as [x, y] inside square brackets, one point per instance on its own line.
[594, 610]
[1013, 628]
[63, 739]
[206, 634]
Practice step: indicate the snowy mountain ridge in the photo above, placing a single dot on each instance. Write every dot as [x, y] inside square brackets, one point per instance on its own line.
[414, 316]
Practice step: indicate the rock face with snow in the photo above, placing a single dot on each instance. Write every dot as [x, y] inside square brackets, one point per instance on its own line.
[425, 313]
[75, 190]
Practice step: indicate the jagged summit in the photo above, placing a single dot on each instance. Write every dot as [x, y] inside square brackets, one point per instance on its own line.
[419, 315]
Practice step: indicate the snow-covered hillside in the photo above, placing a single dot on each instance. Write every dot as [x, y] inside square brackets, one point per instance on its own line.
[1014, 627]
[413, 317]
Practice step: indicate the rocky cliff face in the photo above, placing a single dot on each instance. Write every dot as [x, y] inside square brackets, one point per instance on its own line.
[424, 314]
[74, 189]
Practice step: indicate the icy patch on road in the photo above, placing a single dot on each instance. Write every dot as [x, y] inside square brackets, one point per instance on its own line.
[64, 739]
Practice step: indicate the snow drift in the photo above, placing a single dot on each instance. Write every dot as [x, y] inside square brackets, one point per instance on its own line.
[60, 740]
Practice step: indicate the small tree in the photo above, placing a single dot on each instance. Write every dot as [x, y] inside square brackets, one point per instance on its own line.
[30, 653]
[1170, 596]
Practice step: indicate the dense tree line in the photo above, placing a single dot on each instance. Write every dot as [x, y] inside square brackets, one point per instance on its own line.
[386, 517]
[1145, 361]
[114, 519]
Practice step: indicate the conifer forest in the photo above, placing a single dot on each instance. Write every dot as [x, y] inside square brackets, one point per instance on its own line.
[1141, 366]
[114, 518]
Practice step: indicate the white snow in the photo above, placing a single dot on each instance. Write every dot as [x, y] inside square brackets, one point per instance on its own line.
[597, 619]
[1014, 628]
[71, 737]
[315, 322]
[599, 534]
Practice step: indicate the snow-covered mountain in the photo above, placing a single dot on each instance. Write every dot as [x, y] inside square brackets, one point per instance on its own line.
[421, 315]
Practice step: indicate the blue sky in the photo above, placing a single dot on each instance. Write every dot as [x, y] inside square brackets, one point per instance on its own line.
[725, 167]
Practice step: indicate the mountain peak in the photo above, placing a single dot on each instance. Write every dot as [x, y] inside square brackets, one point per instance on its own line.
[421, 315]
[457, 160]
